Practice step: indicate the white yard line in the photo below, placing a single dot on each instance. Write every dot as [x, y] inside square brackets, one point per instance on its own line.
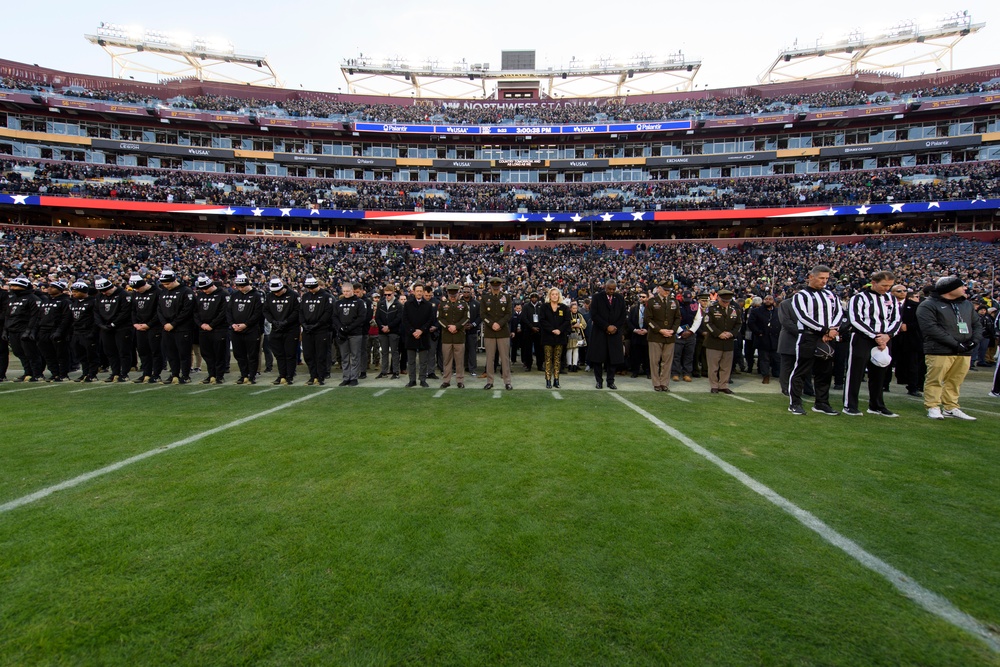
[86, 477]
[739, 398]
[31, 388]
[262, 391]
[679, 398]
[202, 391]
[380, 392]
[556, 395]
[930, 601]
[100, 386]
[439, 393]
[143, 391]
[497, 393]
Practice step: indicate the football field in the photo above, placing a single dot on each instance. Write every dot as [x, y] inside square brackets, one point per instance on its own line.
[262, 525]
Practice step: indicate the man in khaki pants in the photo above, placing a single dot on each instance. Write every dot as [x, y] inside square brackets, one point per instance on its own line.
[453, 315]
[496, 310]
[951, 331]
[661, 318]
[722, 324]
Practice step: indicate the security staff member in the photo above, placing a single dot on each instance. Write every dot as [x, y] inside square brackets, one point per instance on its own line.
[211, 305]
[113, 315]
[875, 318]
[496, 308]
[662, 318]
[148, 330]
[246, 313]
[452, 316]
[722, 324]
[175, 310]
[316, 315]
[84, 340]
[281, 309]
[21, 327]
[818, 314]
[54, 327]
[350, 320]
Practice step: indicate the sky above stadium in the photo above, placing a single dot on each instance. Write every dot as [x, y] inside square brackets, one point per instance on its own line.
[306, 41]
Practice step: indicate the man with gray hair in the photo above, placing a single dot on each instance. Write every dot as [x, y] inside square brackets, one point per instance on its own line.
[350, 319]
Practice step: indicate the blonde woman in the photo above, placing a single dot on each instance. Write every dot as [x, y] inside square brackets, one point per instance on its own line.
[554, 321]
[577, 338]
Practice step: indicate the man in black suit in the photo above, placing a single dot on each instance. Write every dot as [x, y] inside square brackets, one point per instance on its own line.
[533, 343]
[471, 331]
[606, 347]
[639, 343]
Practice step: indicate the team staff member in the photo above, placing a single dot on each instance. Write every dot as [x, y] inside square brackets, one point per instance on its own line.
[555, 325]
[316, 315]
[388, 318]
[148, 330]
[246, 313]
[662, 318]
[113, 315]
[418, 317]
[350, 321]
[452, 316]
[951, 332]
[281, 309]
[818, 313]
[54, 327]
[210, 316]
[722, 324]
[875, 318]
[605, 346]
[496, 308]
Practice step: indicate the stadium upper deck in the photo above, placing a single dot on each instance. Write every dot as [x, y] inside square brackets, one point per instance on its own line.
[763, 160]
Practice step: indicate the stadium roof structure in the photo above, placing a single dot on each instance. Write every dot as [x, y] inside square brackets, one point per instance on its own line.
[903, 45]
[171, 56]
[640, 75]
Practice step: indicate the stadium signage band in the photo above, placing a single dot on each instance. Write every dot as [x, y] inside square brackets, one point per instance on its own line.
[474, 165]
[894, 146]
[508, 163]
[334, 160]
[726, 158]
[579, 164]
[525, 130]
[159, 149]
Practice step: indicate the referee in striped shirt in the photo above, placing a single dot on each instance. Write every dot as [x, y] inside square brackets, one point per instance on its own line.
[818, 312]
[875, 318]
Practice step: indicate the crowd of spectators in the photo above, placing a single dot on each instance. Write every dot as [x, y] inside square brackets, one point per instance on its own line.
[323, 105]
[967, 180]
[753, 268]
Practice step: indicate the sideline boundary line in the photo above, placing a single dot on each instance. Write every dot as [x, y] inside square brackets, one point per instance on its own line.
[86, 477]
[929, 600]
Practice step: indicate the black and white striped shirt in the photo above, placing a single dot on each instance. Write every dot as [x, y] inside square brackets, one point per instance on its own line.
[872, 313]
[817, 309]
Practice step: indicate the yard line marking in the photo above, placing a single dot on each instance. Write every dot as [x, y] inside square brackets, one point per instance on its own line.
[930, 601]
[202, 391]
[262, 391]
[497, 393]
[679, 398]
[380, 392]
[86, 477]
[143, 391]
[439, 393]
[739, 398]
[985, 412]
[100, 386]
[556, 395]
[44, 386]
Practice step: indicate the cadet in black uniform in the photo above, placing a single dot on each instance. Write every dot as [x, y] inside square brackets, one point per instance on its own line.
[84, 341]
[246, 315]
[4, 350]
[21, 327]
[113, 315]
[148, 330]
[54, 327]
[316, 315]
[210, 306]
[175, 309]
[281, 308]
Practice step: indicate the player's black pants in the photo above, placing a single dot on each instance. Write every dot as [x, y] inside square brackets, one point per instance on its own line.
[284, 346]
[316, 352]
[806, 364]
[149, 345]
[214, 346]
[56, 354]
[85, 350]
[4, 358]
[27, 352]
[858, 359]
[246, 349]
[118, 346]
[177, 352]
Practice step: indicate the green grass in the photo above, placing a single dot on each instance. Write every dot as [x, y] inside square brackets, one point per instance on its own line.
[466, 530]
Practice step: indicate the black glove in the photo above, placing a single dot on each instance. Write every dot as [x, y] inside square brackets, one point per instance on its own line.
[28, 336]
[967, 346]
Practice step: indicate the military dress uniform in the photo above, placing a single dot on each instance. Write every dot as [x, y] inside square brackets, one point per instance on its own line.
[211, 310]
[54, 327]
[719, 319]
[175, 308]
[281, 308]
[316, 314]
[113, 314]
[246, 313]
[84, 340]
[453, 313]
[497, 309]
[148, 341]
[661, 313]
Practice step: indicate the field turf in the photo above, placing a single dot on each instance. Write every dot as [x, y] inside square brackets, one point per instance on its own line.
[479, 527]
